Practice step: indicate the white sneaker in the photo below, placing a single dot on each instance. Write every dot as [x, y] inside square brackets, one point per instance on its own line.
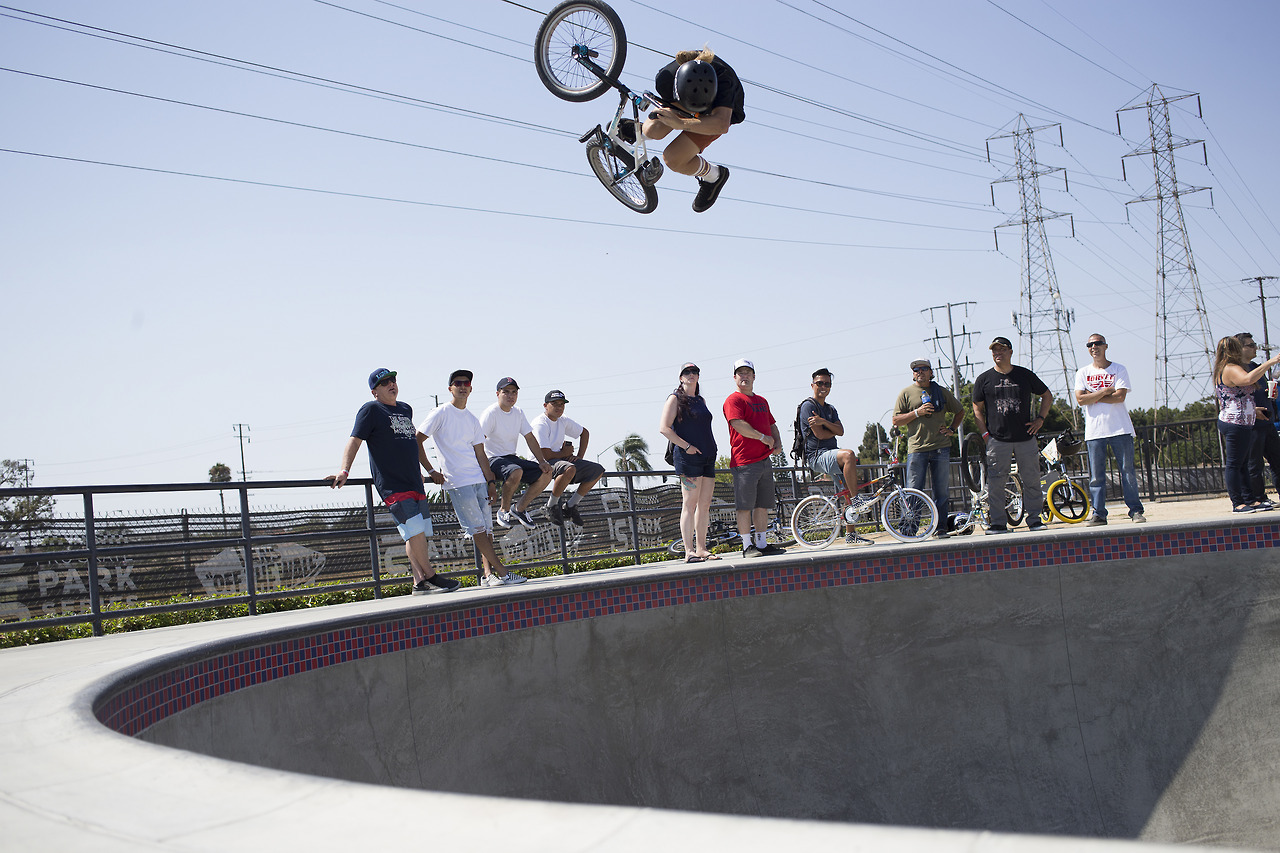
[505, 519]
[491, 580]
[512, 579]
[1138, 518]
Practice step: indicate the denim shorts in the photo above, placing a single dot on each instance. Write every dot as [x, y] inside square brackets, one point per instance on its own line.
[693, 465]
[825, 462]
[471, 505]
[412, 517]
[502, 466]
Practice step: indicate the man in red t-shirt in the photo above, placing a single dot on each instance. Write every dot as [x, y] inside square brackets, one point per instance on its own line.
[753, 438]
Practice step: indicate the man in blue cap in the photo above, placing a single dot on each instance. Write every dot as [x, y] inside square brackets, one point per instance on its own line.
[387, 425]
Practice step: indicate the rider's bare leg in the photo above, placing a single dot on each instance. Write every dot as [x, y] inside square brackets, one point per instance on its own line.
[682, 155]
[654, 129]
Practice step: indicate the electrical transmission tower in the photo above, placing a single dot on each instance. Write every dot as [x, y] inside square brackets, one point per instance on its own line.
[1184, 344]
[1043, 321]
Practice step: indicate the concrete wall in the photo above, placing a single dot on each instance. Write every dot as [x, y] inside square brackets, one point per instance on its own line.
[1132, 699]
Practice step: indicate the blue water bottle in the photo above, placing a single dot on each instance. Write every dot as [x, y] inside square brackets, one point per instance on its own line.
[926, 398]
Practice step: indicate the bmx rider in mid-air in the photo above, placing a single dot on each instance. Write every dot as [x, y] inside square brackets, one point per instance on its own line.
[704, 85]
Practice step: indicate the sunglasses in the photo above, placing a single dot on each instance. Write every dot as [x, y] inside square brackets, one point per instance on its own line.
[693, 371]
[462, 383]
[1093, 344]
[384, 383]
[822, 384]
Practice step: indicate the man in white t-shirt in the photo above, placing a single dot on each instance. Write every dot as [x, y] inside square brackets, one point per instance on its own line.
[567, 465]
[503, 424]
[1101, 388]
[464, 472]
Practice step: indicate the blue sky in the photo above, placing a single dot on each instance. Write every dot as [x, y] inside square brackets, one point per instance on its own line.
[245, 247]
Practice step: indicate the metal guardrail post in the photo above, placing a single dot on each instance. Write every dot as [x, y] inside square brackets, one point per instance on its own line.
[634, 519]
[1148, 447]
[246, 534]
[91, 542]
[373, 541]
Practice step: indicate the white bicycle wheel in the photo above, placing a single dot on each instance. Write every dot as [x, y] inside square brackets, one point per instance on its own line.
[589, 27]
[815, 522]
[909, 515]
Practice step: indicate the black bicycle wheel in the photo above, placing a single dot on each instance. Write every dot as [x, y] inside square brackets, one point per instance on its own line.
[631, 191]
[579, 28]
[973, 460]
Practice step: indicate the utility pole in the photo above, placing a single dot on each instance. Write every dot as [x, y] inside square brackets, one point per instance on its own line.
[1262, 298]
[1044, 326]
[964, 334]
[240, 430]
[1184, 350]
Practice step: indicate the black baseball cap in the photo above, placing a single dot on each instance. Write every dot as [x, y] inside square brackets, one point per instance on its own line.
[378, 375]
[1000, 340]
[507, 381]
[553, 396]
[460, 374]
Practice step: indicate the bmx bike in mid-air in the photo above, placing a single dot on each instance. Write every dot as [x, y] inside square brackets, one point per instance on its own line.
[579, 53]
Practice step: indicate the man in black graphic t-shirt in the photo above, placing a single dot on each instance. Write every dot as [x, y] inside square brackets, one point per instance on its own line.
[1002, 408]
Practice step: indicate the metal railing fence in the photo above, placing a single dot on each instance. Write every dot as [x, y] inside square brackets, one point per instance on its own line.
[93, 567]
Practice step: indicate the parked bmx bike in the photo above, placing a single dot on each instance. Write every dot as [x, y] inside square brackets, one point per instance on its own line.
[909, 515]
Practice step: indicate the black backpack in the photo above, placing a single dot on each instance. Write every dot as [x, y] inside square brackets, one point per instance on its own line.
[797, 442]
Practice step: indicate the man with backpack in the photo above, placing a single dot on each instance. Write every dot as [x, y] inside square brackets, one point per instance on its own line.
[921, 410]
[817, 427]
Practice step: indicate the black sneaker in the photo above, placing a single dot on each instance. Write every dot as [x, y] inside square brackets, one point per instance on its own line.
[752, 551]
[1037, 524]
[574, 516]
[522, 516]
[771, 550]
[709, 192]
[434, 584]
[627, 130]
[997, 528]
[556, 514]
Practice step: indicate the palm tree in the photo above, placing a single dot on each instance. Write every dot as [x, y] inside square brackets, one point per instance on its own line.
[632, 454]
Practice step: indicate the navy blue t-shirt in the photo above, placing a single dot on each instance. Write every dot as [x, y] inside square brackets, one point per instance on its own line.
[695, 428]
[393, 450]
[812, 444]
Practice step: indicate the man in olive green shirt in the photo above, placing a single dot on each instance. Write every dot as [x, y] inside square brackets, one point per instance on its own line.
[921, 409]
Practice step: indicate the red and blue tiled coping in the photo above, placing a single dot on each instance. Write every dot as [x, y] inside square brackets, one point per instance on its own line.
[154, 696]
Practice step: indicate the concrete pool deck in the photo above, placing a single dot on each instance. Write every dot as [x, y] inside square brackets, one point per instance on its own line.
[67, 781]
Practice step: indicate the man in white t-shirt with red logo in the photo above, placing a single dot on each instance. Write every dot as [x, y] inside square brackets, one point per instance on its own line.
[1101, 388]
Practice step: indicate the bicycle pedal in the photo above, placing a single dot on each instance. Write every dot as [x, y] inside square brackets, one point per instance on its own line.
[595, 131]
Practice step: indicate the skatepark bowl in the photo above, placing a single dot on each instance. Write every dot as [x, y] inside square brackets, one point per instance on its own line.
[1077, 689]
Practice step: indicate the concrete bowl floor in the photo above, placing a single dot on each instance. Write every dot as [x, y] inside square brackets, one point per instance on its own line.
[1066, 687]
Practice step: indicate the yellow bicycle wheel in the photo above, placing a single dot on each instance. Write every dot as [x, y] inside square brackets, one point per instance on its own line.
[1068, 502]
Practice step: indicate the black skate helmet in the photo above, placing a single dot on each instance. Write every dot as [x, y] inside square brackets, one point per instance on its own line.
[695, 86]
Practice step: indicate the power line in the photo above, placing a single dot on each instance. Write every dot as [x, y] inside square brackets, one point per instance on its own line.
[492, 211]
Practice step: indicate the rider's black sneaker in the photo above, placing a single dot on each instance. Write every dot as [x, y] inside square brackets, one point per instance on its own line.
[708, 192]
[627, 130]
